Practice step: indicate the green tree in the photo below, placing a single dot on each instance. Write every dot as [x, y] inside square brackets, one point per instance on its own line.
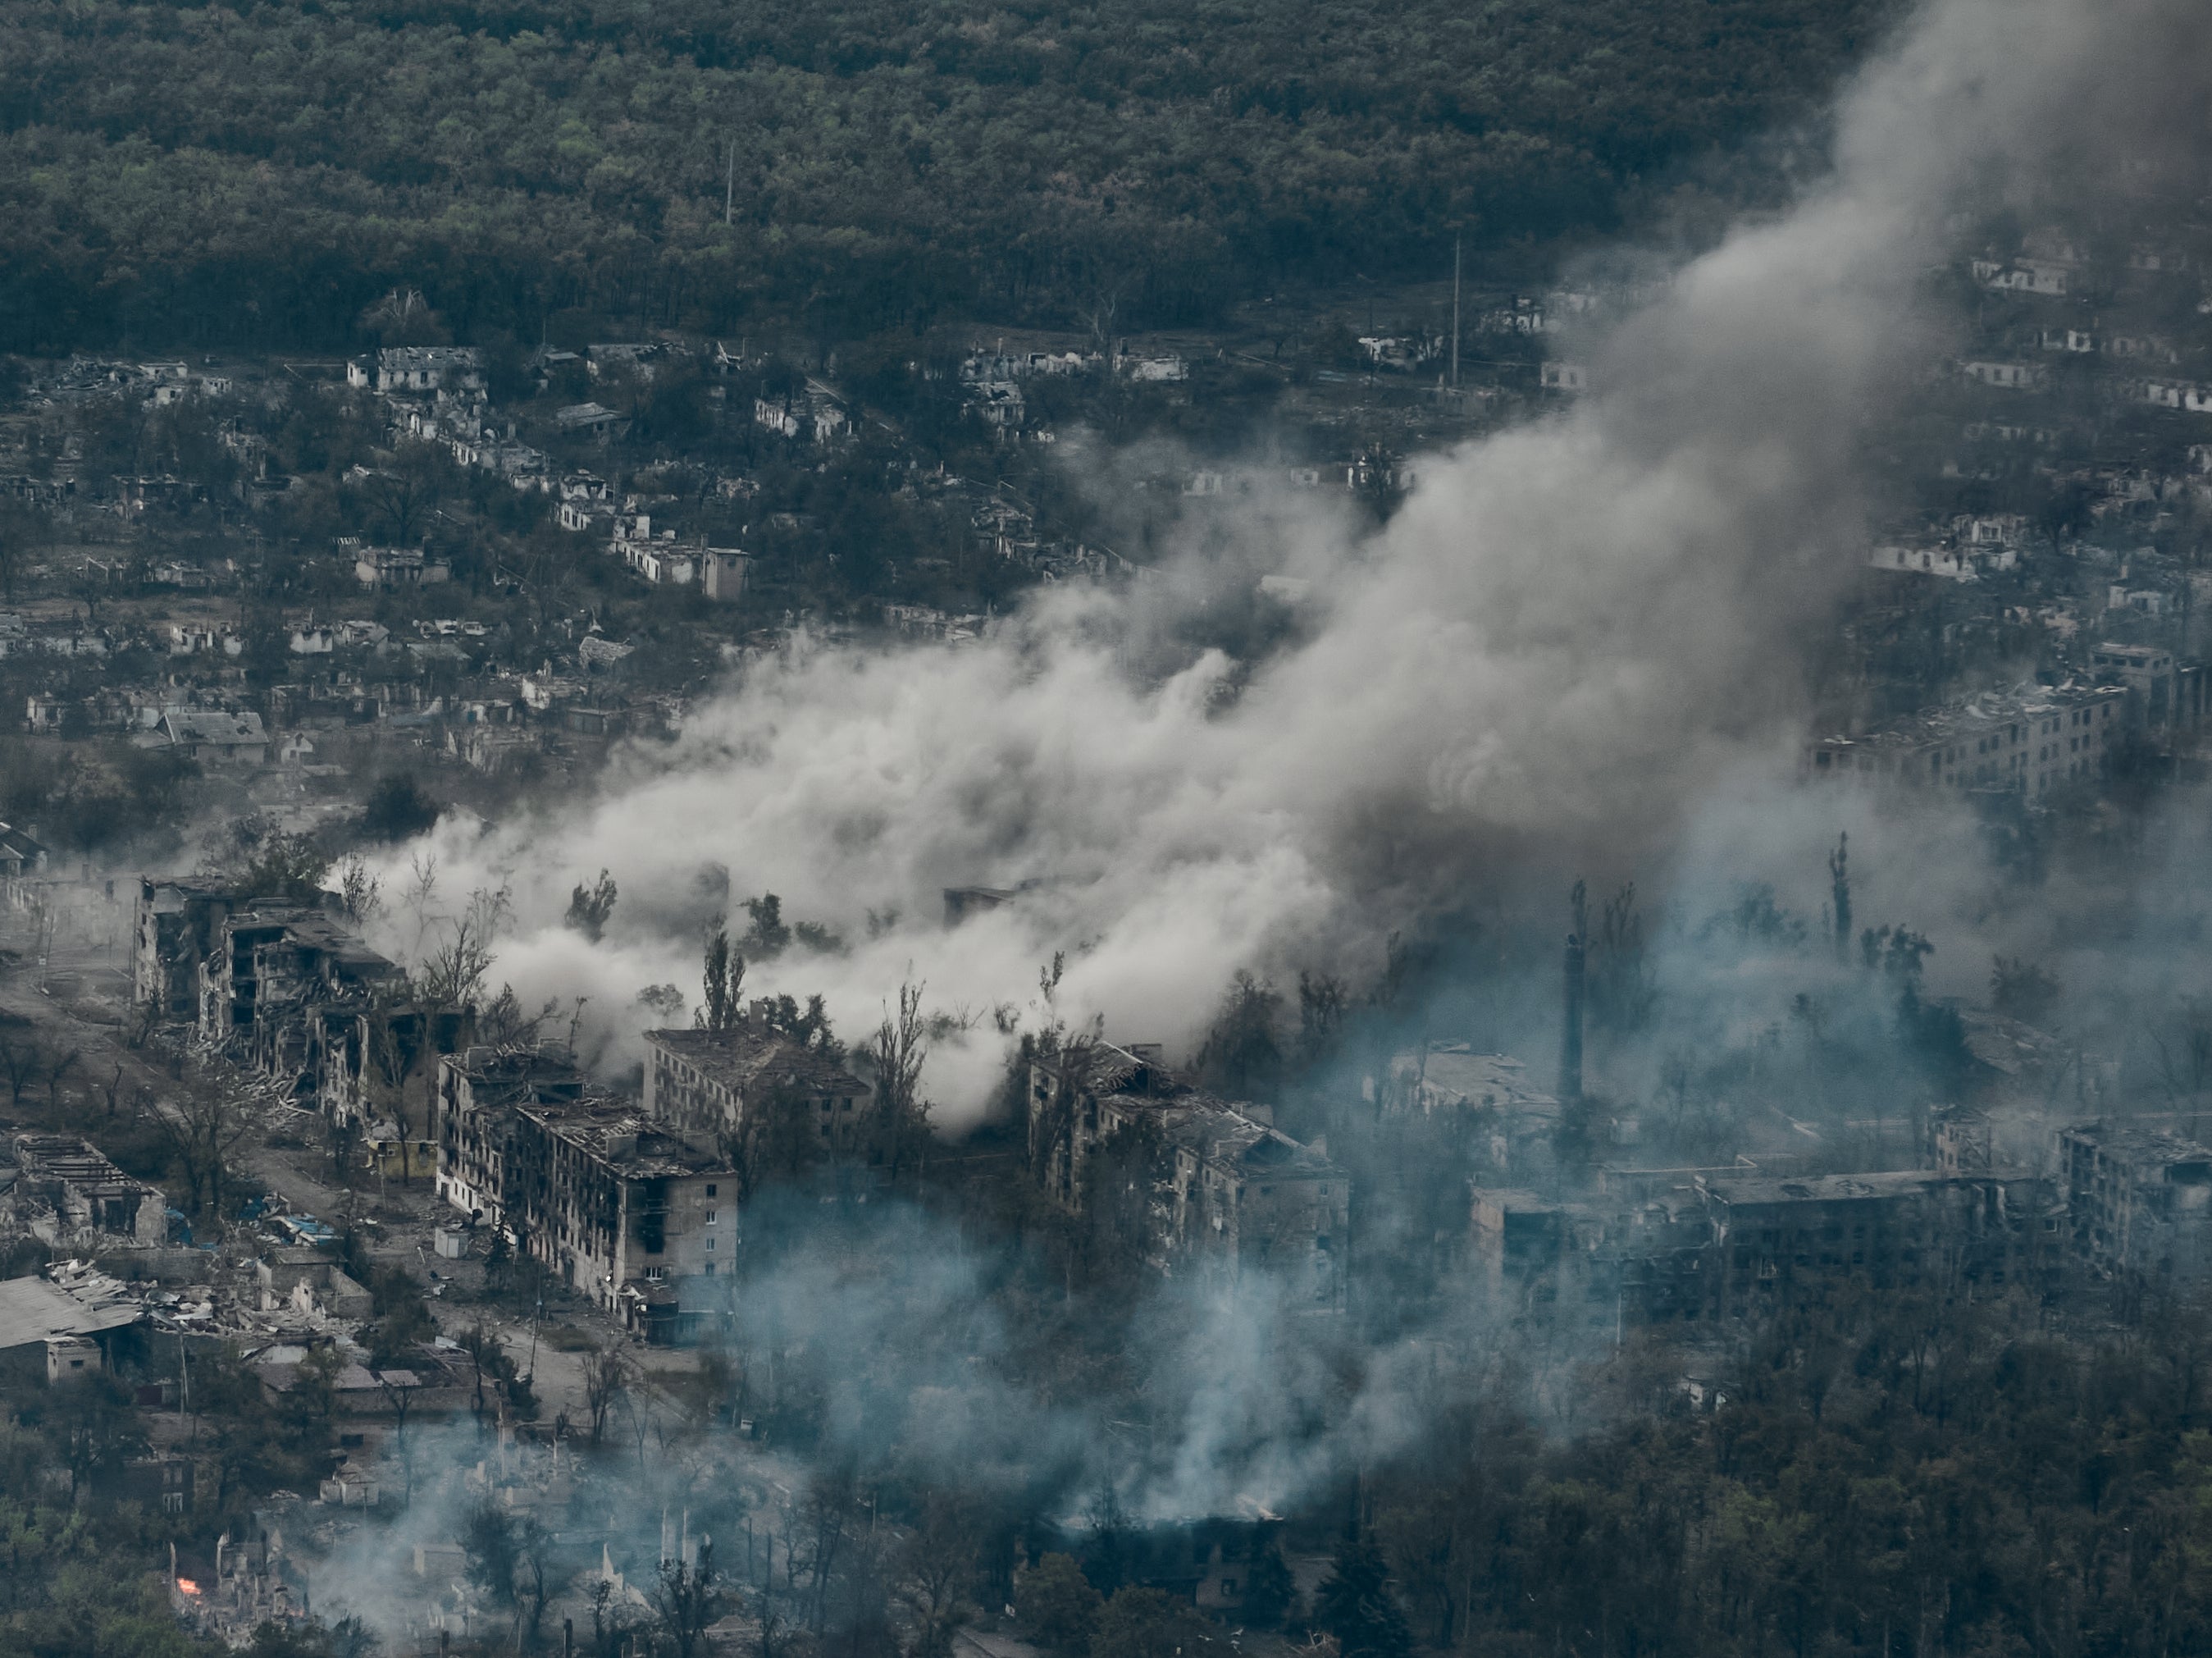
[1141, 1623]
[1056, 1605]
[1355, 1604]
[397, 808]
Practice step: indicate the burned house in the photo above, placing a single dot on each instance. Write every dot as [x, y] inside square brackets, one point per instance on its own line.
[69, 1194]
[2138, 1202]
[306, 1281]
[57, 1332]
[1199, 1187]
[720, 1081]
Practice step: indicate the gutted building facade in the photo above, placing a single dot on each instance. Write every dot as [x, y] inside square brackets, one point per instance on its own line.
[625, 1210]
[1198, 1187]
[2138, 1202]
[282, 986]
[480, 1091]
[1735, 1247]
[717, 1081]
[176, 925]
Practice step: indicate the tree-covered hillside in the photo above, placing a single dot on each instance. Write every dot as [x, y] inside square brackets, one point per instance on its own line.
[258, 172]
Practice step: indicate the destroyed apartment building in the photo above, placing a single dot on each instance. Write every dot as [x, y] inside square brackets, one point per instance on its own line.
[722, 1082]
[630, 1212]
[281, 988]
[275, 972]
[1733, 1246]
[2138, 1202]
[1203, 1188]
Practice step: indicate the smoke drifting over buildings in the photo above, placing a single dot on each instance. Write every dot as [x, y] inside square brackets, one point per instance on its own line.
[1548, 662]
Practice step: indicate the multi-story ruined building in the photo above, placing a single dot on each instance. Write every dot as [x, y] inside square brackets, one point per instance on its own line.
[1197, 1186]
[1779, 1240]
[716, 1081]
[370, 1055]
[2035, 740]
[1733, 1246]
[69, 1194]
[2138, 1202]
[479, 1090]
[626, 1210]
[176, 926]
[283, 986]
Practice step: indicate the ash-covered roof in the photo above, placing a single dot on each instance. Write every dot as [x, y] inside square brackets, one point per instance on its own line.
[747, 1058]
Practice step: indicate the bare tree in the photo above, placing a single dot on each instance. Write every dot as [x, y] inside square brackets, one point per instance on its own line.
[936, 1566]
[402, 497]
[400, 1396]
[420, 894]
[591, 907]
[53, 1074]
[453, 974]
[21, 1062]
[687, 1598]
[359, 893]
[203, 1129]
[901, 1126]
[606, 1380]
[386, 1066]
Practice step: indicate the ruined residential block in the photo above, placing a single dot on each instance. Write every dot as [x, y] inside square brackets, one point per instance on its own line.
[636, 1214]
[1216, 1191]
[710, 1081]
[2138, 1202]
[175, 926]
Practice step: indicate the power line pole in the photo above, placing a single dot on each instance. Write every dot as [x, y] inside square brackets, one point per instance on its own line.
[1455, 364]
[730, 186]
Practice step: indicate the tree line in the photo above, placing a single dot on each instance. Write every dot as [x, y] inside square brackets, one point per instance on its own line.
[260, 175]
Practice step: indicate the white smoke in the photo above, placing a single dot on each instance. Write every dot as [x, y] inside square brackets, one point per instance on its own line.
[1568, 633]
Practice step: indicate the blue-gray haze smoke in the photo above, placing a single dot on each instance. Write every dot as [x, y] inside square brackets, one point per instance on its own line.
[1578, 644]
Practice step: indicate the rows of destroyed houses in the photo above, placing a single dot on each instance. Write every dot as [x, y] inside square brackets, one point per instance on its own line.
[440, 688]
[2103, 595]
[154, 1310]
[2054, 309]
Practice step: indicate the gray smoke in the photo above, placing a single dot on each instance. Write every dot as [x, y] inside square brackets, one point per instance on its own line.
[1568, 636]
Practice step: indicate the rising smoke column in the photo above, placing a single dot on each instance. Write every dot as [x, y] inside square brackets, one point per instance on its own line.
[1567, 634]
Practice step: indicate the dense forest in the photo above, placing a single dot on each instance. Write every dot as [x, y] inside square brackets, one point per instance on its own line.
[251, 174]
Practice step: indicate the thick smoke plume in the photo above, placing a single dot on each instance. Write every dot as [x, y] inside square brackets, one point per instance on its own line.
[1567, 635]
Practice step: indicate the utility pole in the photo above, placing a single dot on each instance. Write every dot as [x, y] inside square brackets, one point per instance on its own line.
[730, 186]
[1454, 363]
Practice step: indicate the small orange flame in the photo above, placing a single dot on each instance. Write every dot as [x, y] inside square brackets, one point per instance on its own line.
[188, 1586]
